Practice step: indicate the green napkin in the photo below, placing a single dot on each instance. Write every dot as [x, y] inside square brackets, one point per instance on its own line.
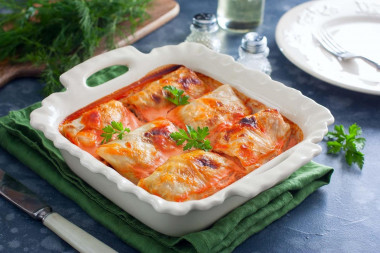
[35, 151]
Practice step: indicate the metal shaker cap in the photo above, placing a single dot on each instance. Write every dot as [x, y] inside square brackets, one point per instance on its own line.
[254, 43]
[205, 22]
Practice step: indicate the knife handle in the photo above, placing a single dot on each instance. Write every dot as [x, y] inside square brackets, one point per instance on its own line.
[73, 235]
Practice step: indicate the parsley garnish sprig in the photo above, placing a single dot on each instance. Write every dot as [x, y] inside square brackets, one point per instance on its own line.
[349, 143]
[194, 138]
[115, 128]
[176, 95]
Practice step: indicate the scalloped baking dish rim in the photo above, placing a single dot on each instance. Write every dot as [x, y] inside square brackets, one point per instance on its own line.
[168, 217]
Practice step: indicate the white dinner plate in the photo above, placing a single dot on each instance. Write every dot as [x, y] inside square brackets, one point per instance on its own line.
[354, 24]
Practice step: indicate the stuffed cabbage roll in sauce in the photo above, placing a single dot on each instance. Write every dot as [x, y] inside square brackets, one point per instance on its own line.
[142, 150]
[255, 139]
[150, 102]
[220, 106]
[192, 175]
[85, 131]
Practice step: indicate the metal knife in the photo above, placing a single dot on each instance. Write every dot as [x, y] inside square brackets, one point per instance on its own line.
[25, 199]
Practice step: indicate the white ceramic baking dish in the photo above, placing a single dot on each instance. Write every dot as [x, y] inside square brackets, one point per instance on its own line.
[167, 217]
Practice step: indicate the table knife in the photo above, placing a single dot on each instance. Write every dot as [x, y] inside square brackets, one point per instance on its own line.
[29, 202]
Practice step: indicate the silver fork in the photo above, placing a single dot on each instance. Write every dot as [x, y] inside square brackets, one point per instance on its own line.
[335, 49]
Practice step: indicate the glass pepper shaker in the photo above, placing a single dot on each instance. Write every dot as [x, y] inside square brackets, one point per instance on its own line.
[203, 30]
[253, 52]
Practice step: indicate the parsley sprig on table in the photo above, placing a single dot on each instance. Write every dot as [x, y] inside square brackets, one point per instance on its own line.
[115, 128]
[349, 143]
[60, 34]
[194, 138]
[176, 95]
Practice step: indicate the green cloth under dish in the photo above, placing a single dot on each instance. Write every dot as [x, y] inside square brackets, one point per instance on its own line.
[35, 151]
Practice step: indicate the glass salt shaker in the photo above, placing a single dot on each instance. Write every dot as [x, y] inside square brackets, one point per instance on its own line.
[253, 52]
[203, 30]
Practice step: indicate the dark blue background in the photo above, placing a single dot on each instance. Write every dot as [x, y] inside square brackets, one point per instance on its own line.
[340, 217]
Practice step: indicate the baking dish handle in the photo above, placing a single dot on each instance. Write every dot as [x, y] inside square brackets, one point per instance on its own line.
[76, 77]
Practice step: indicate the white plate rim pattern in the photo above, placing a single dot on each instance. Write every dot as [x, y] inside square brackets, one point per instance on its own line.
[294, 32]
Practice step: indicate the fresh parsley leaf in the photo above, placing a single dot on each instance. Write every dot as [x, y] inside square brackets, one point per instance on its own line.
[194, 138]
[348, 142]
[176, 96]
[334, 147]
[360, 143]
[117, 125]
[108, 129]
[115, 128]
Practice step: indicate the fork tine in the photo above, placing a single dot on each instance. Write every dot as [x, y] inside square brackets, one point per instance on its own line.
[324, 42]
[333, 42]
[327, 44]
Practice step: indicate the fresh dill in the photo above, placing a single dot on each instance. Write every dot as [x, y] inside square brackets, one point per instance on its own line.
[60, 34]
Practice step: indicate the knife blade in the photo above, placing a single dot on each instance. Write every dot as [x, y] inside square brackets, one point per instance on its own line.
[29, 202]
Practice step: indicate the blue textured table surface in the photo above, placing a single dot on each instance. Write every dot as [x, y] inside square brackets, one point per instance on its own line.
[341, 217]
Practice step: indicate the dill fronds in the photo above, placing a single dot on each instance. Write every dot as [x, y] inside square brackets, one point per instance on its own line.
[61, 34]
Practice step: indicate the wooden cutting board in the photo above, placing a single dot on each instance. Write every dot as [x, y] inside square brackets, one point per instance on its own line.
[160, 11]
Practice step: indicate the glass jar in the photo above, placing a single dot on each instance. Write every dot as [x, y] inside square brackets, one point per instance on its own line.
[203, 30]
[253, 53]
[240, 15]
